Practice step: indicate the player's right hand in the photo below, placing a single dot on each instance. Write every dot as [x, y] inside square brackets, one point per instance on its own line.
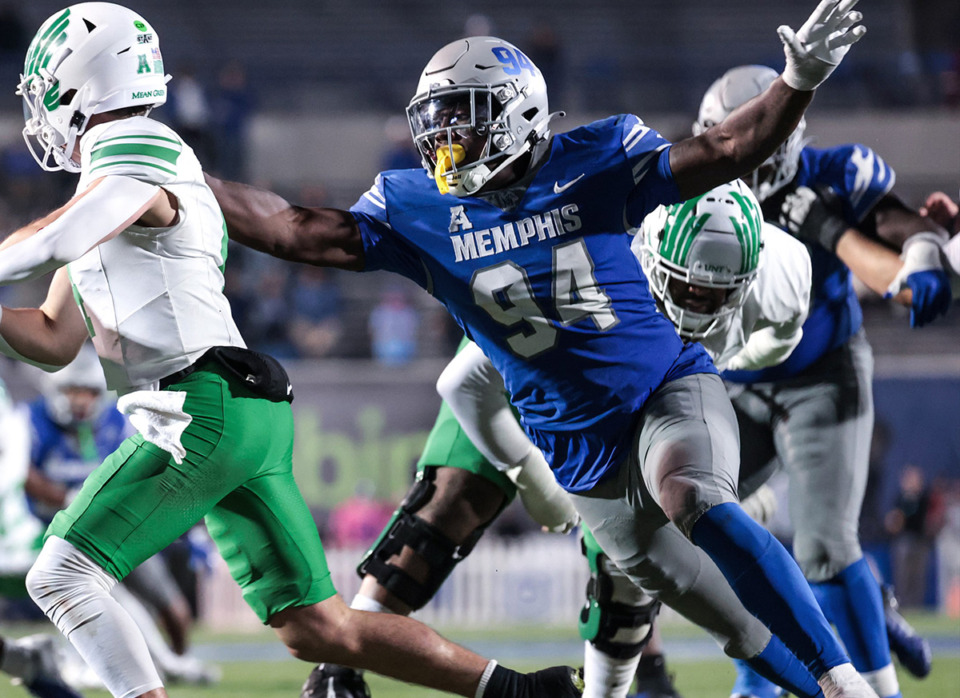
[817, 48]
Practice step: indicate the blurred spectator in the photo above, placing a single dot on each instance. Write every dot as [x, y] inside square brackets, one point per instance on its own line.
[393, 328]
[914, 522]
[233, 107]
[267, 317]
[316, 325]
[188, 108]
[400, 153]
[356, 522]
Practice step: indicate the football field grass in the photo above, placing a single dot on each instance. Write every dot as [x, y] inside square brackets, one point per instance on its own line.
[708, 675]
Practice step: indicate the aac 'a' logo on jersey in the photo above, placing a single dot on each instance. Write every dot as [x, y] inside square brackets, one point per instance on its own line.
[459, 220]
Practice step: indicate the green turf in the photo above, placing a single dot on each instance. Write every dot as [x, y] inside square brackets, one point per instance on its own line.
[699, 679]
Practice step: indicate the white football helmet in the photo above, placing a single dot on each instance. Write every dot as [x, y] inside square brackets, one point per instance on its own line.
[90, 58]
[484, 85]
[83, 372]
[711, 241]
[735, 87]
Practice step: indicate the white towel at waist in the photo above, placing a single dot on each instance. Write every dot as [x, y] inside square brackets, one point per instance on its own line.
[159, 417]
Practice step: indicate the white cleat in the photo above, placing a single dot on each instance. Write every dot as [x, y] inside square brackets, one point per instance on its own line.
[191, 671]
[843, 681]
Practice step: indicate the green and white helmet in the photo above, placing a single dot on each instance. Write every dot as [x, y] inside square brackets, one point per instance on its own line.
[711, 241]
[90, 58]
[733, 88]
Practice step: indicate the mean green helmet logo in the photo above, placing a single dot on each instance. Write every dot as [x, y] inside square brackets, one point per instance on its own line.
[142, 26]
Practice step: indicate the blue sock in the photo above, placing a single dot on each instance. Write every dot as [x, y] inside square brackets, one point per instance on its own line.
[769, 583]
[750, 683]
[852, 602]
[760, 676]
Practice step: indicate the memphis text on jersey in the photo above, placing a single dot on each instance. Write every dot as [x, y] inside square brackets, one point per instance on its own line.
[474, 244]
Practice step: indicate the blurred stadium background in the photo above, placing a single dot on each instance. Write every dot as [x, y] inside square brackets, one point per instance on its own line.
[307, 97]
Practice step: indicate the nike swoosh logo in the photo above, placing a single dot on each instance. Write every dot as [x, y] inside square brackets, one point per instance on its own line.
[560, 188]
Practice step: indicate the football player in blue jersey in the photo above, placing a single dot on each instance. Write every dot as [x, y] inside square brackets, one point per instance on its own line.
[522, 236]
[813, 413]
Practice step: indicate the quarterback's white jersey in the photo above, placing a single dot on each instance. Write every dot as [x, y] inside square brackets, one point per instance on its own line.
[766, 328]
[153, 297]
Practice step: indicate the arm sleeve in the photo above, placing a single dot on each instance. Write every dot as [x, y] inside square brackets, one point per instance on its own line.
[91, 217]
[476, 395]
[766, 347]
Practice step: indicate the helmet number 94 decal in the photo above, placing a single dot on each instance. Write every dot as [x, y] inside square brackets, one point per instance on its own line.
[514, 61]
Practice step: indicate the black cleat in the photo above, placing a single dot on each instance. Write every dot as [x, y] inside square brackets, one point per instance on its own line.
[911, 650]
[334, 681]
[555, 682]
[653, 681]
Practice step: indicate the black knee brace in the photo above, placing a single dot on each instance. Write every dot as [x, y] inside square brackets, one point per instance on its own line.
[426, 540]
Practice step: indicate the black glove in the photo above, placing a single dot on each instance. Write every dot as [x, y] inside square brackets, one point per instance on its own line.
[814, 216]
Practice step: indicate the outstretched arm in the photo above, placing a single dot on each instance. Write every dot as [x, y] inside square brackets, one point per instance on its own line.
[752, 133]
[267, 222]
[99, 213]
[740, 143]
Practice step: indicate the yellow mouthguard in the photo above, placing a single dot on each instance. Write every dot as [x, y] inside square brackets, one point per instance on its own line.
[447, 157]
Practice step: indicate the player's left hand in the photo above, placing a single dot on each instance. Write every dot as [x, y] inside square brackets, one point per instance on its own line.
[924, 275]
[814, 217]
[817, 48]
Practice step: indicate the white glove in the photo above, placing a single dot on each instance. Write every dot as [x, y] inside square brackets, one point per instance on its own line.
[546, 502]
[920, 252]
[823, 40]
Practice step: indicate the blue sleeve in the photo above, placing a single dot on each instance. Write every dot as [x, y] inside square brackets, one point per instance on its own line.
[648, 154]
[383, 247]
[857, 174]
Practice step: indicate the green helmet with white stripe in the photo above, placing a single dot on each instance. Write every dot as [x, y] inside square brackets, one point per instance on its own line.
[710, 242]
[90, 58]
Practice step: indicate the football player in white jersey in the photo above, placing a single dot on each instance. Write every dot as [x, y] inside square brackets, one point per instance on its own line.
[522, 235]
[138, 256]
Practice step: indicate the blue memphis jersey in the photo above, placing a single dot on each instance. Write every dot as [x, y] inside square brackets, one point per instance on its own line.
[549, 290]
[860, 179]
[69, 456]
